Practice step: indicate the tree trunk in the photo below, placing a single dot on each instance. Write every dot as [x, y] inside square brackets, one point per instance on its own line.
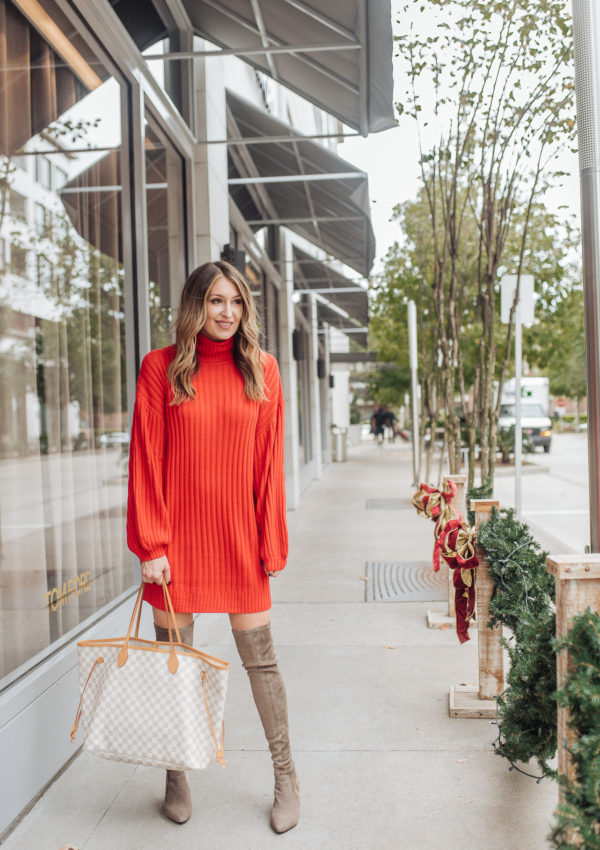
[472, 435]
[429, 455]
[441, 466]
[493, 446]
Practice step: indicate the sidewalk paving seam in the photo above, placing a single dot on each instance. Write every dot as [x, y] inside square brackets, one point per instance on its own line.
[106, 811]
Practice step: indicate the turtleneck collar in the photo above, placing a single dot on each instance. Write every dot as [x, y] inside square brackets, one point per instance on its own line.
[210, 351]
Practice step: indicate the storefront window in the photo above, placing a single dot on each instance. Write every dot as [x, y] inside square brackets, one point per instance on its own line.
[165, 208]
[63, 404]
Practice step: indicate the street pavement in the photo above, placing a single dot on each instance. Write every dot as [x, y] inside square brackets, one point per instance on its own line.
[554, 493]
[381, 764]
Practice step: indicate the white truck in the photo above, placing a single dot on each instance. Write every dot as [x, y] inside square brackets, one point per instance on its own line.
[535, 402]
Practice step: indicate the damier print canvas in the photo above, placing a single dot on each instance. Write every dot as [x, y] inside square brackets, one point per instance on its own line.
[149, 702]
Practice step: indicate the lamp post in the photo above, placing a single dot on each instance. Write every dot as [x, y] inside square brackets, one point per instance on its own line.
[511, 285]
[412, 347]
[586, 34]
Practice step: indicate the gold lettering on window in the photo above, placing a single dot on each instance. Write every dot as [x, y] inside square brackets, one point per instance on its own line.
[61, 595]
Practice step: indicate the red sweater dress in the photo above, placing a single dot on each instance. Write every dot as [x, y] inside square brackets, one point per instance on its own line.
[206, 483]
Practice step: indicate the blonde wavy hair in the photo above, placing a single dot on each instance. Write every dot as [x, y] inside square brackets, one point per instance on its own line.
[190, 321]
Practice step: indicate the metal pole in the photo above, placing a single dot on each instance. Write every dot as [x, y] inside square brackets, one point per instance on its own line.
[586, 32]
[412, 348]
[518, 429]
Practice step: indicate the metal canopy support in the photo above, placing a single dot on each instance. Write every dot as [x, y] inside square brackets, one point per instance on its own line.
[347, 330]
[354, 357]
[297, 178]
[259, 140]
[174, 56]
[258, 222]
[282, 49]
[351, 282]
[338, 290]
[336, 260]
[264, 38]
[263, 140]
[586, 31]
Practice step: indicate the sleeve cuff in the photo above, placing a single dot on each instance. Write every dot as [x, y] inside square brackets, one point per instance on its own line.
[274, 565]
[151, 554]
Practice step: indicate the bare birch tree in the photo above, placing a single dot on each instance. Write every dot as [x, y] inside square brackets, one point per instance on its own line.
[490, 88]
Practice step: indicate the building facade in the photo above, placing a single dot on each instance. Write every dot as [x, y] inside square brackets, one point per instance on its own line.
[138, 140]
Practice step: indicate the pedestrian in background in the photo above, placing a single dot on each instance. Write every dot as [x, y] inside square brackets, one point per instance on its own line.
[206, 505]
[378, 424]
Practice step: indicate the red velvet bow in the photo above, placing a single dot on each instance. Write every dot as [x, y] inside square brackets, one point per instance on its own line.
[455, 543]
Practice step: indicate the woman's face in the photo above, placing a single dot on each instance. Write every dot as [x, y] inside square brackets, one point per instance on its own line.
[224, 308]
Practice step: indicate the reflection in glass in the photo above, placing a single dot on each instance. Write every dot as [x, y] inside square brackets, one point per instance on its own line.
[63, 405]
[165, 197]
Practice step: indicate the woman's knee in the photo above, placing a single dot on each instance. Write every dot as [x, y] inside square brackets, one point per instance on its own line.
[162, 620]
[250, 621]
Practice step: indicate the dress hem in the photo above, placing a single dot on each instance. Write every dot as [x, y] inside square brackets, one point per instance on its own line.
[211, 603]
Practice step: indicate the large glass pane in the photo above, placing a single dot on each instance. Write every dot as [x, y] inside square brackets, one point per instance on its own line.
[165, 208]
[63, 405]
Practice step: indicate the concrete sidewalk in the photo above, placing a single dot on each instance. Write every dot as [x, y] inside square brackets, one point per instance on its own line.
[381, 764]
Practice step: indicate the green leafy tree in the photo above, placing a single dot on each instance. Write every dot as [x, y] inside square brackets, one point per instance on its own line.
[407, 275]
[556, 345]
[500, 80]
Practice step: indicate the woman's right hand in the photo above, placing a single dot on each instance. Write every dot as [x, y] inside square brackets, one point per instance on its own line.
[153, 571]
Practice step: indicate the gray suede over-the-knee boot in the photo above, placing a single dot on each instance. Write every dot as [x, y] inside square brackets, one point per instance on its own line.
[256, 650]
[178, 800]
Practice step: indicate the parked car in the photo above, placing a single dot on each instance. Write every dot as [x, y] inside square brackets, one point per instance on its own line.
[535, 422]
[114, 438]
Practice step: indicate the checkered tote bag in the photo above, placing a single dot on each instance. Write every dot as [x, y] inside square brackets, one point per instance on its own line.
[149, 702]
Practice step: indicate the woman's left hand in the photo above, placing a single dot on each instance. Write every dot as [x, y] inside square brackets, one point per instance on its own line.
[153, 571]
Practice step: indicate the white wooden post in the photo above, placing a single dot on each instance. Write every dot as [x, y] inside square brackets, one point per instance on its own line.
[577, 588]
[476, 701]
[447, 619]
[460, 505]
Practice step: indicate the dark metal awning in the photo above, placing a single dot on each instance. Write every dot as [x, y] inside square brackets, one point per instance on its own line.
[299, 184]
[337, 55]
[344, 64]
[341, 302]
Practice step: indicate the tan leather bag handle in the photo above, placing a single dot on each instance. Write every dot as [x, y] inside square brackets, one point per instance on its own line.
[173, 663]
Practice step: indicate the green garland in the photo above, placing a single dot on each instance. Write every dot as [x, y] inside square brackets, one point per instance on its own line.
[521, 601]
[578, 817]
[484, 491]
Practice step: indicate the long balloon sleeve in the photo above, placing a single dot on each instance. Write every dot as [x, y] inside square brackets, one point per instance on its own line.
[148, 525]
[269, 477]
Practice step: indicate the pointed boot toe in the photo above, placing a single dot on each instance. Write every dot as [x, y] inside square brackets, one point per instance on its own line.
[286, 804]
[178, 800]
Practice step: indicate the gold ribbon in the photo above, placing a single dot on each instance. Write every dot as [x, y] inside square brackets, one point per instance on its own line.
[417, 501]
[465, 542]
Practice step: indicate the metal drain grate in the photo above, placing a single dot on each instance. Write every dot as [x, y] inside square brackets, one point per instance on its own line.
[387, 504]
[414, 581]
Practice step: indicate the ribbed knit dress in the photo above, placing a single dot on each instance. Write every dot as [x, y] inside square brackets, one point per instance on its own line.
[206, 483]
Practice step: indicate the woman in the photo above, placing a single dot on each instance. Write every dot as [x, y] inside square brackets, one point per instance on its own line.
[206, 504]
